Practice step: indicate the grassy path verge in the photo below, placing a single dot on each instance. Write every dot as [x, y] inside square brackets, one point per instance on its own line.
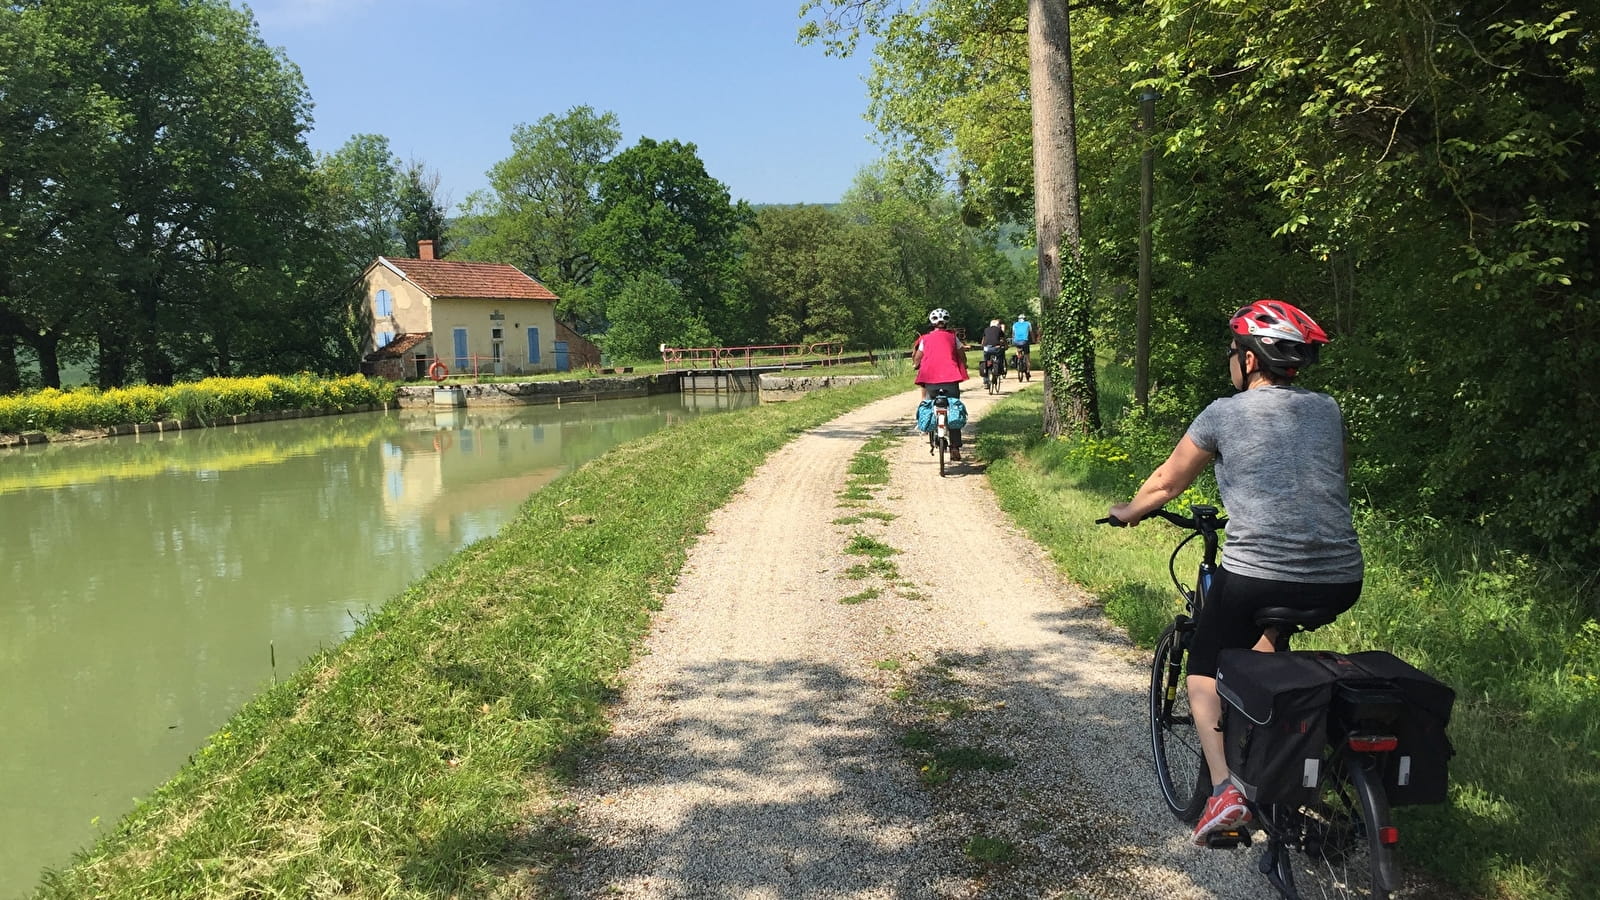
[413, 759]
[1516, 643]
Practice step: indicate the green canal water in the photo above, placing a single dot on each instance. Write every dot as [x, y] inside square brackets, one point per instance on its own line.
[149, 586]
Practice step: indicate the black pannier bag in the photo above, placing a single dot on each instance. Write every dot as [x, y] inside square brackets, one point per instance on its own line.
[1277, 719]
[1275, 722]
[1417, 771]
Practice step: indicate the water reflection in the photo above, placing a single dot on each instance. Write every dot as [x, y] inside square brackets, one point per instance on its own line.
[146, 582]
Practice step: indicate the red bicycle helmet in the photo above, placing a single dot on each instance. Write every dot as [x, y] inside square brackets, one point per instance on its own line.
[1280, 334]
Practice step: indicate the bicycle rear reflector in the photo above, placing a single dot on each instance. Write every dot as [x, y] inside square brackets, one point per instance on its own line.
[1389, 835]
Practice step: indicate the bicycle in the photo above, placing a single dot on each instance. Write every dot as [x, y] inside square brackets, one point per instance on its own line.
[1344, 834]
[939, 434]
[1024, 366]
[993, 369]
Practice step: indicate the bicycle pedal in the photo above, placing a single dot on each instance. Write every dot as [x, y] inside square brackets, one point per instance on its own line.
[1228, 840]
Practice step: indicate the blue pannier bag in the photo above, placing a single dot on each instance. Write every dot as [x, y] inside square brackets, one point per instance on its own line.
[957, 418]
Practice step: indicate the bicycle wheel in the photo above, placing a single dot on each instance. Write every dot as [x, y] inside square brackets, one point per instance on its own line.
[1181, 770]
[1345, 856]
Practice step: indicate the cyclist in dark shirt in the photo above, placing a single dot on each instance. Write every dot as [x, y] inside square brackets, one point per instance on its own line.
[994, 345]
[1280, 464]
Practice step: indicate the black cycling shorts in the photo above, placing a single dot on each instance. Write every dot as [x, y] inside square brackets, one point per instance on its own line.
[1229, 616]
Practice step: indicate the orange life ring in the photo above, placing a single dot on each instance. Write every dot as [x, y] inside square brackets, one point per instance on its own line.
[437, 371]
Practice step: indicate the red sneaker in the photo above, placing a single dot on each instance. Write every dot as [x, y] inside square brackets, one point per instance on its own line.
[1224, 811]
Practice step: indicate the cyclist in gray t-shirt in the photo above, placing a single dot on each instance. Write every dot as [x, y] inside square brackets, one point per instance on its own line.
[1280, 463]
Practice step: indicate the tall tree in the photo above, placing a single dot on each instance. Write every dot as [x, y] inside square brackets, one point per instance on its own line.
[816, 275]
[661, 212]
[945, 94]
[1066, 342]
[938, 260]
[648, 311]
[541, 200]
[56, 133]
[364, 182]
[422, 213]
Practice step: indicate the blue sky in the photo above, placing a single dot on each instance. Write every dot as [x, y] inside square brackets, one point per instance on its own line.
[447, 81]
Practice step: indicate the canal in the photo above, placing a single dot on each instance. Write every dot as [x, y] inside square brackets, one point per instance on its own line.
[149, 586]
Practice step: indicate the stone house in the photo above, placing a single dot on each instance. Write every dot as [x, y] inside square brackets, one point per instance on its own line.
[445, 317]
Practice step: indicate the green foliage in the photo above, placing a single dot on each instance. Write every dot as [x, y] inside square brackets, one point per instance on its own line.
[938, 260]
[661, 213]
[540, 201]
[816, 275]
[157, 211]
[650, 311]
[421, 211]
[1426, 192]
[988, 851]
[362, 181]
[1067, 348]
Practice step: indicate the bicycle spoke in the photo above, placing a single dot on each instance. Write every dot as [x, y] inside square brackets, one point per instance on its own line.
[1339, 844]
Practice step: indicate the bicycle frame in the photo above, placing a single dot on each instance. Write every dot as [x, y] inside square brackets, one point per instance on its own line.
[1353, 814]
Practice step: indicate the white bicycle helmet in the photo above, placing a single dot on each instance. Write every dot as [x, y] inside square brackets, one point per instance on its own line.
[940, 316]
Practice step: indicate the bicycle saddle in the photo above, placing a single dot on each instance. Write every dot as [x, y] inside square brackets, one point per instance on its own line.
[1300, 619]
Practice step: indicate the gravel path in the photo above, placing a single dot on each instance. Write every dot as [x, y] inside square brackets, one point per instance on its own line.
[975, 729]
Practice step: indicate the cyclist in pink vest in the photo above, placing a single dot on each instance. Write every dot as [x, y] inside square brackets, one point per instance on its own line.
[941, 364]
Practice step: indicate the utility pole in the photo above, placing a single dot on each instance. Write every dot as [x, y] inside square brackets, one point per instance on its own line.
[1147, 167]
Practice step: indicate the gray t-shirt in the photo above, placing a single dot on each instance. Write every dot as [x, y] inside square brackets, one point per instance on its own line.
[1280, 466]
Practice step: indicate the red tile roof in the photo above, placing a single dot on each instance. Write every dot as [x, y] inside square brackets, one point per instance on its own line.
[451, 278]
[396, 349]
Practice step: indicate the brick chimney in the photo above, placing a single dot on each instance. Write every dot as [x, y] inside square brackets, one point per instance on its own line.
[424, 249]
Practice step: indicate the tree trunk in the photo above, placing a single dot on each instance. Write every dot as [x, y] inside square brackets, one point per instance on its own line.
[1069, 402]
[10, 372]
[111, 359]
[45, 347]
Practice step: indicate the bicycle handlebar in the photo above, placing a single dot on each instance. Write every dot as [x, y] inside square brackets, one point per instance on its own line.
[1191, 523]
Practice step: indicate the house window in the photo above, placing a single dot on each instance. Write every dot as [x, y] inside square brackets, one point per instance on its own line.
[385, 305]
[497, 333]
[533, 346]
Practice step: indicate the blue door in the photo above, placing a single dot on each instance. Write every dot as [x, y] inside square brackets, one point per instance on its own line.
[533, 346]
[562, 363]
[461, 349]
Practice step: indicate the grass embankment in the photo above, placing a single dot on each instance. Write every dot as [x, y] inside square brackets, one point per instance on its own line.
[1516, 641]
[199, 401]
[413, 759]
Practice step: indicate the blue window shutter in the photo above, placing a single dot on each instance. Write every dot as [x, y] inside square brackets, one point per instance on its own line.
[533, 346]
[461, 349]
[385, 304]
[384, 337]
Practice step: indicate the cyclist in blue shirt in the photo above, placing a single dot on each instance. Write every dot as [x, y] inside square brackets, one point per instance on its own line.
[1021, 337]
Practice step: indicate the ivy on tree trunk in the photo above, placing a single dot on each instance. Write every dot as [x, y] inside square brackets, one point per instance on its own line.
[1066, 350]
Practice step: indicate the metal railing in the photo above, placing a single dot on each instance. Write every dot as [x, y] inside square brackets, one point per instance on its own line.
[820, 353]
